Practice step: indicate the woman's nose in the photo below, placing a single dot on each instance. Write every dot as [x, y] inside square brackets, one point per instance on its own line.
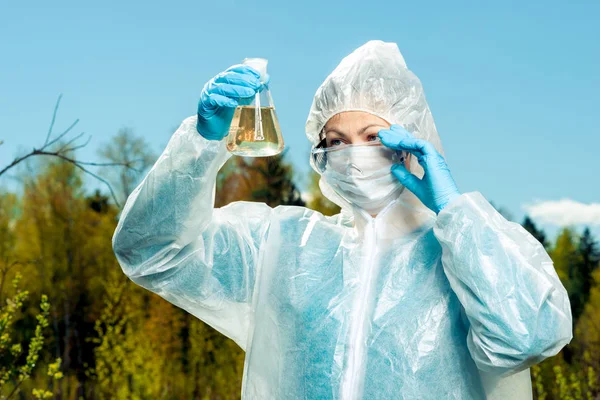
[362, 139]
[359, 140]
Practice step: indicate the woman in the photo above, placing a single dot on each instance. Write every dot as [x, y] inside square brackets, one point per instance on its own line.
[413, 291]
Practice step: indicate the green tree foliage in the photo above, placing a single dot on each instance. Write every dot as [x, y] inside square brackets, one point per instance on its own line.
[575, 258]
[116, 356]
[575, 372]
[215, 363]
[587, 332]
[581, 274]
[68, 247]
[264, 179]
[17, 364]
[316, 199]
[530, 227]
[8, 211]
[564, 255]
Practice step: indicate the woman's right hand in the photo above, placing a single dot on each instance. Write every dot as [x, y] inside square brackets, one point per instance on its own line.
[221, 95]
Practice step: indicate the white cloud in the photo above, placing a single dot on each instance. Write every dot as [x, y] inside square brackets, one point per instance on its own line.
[564, 212]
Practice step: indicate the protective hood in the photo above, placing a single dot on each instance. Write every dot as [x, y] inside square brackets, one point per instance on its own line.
[374, 79]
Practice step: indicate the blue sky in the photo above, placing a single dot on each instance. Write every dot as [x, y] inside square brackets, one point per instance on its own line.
[513, 86]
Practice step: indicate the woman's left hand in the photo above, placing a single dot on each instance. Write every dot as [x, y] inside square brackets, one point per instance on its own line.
[437, 187]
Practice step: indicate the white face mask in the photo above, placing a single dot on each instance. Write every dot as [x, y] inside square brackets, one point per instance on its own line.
[362, 175]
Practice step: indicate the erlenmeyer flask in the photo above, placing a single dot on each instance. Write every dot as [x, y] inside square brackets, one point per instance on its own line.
[254, 130]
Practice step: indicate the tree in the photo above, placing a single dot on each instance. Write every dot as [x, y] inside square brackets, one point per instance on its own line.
[586, 343]
[581, 272]
[564, 256]
[316, 200]
[117, 356]
[273, 182]
[215, 363]
[530, 227]
[54, 232]
[16, 366]
[98, 202]
[133, 155]
[8, 214]
[264, 179]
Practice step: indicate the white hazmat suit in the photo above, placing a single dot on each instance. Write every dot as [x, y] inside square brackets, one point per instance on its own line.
[407, 305]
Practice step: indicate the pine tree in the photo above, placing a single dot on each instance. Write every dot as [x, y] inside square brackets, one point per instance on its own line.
[262, 179]
[587, 337]
[581, 274]
[539, 234]
[275, 182]
[564, 255]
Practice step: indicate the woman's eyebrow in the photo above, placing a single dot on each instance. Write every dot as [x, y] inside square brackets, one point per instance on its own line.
[363, 130]
[335, 131]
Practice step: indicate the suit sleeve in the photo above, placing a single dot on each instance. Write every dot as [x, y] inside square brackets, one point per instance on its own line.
[172, 241]
[518, 310]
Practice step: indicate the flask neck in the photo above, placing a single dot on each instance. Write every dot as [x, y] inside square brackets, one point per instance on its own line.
[259, 64]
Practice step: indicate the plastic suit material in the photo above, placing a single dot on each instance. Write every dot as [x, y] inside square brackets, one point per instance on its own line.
[407, 305]
[221, 95]
[437, 188]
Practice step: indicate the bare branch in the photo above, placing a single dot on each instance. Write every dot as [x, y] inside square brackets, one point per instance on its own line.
[66, 145]
[67, 148]
[93, 164]
[109, 164]
[78, 165]
[53, 119]
[79, 146]
[16, 161]
[62, 134]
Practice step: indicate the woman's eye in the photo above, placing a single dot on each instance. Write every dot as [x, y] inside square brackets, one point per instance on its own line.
[335, 142]
[373, 138]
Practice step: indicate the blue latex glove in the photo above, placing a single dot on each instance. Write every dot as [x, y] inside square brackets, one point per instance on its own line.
[221, 95]
[437, 187]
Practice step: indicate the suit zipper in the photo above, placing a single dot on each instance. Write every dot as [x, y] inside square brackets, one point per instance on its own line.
[354, 374]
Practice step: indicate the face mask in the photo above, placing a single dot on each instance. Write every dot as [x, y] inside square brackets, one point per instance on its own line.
[361, 174]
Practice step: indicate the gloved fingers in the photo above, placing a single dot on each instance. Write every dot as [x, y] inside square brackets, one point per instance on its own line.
[399, 138]
[233, 91]
[242, 69]
[247, 71]
[412, 182]
[256, 73]
[239, 79]
[434, 162]
[215, 100]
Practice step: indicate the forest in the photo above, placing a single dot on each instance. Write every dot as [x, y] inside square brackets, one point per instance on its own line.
[73, 326]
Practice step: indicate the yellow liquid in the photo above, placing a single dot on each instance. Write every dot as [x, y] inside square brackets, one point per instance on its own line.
[242, 138]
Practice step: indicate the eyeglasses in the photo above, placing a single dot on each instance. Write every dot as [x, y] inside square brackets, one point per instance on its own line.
[321, 151]
[323, 141]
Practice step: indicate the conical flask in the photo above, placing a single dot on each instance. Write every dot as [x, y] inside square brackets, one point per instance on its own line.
[254, 130]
